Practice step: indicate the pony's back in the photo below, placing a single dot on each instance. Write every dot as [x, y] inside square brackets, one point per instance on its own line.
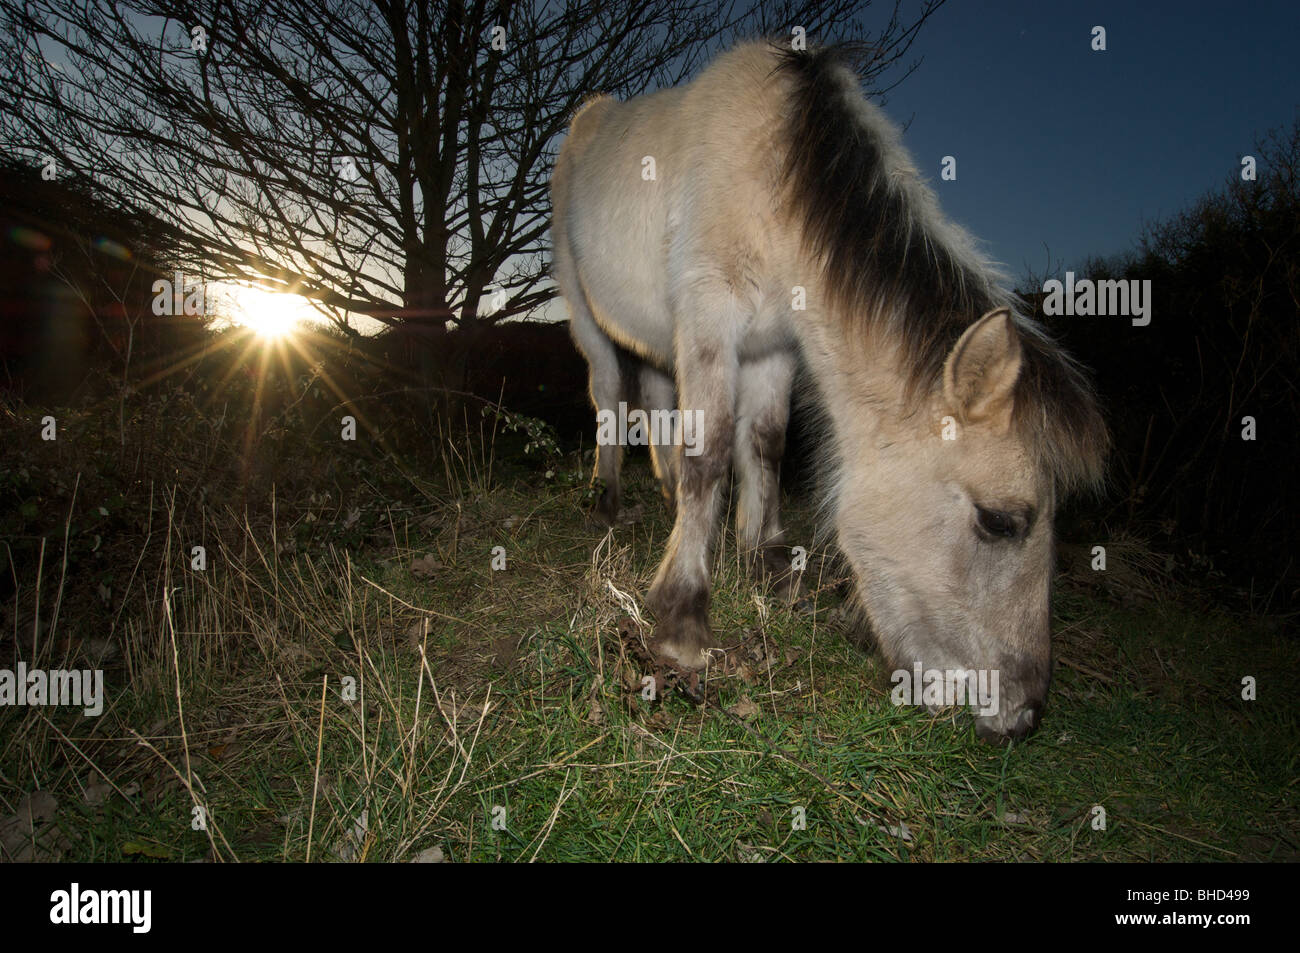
[653, 192]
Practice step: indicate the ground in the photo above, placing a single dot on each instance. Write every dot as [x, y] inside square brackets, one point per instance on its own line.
[390, 695]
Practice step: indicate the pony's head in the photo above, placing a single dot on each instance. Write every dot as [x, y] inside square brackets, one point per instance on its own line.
[945, 512]
[955, 434]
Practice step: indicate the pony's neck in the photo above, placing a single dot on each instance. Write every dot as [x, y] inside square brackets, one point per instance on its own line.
[861, 380]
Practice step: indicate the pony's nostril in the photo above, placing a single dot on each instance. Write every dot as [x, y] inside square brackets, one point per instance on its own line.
[1028, 721]
[1011, 727]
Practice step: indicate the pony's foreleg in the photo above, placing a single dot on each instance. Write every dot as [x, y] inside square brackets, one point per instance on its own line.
[659, 399]
[607, 389]
[679, 597]
[762, 414]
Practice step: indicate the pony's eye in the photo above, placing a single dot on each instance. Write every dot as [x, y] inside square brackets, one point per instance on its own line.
[997, 524]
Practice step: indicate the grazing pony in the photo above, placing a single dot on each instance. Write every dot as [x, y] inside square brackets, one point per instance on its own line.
[766, 214]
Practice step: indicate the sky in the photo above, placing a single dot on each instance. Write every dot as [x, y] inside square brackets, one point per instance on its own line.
[1063, 152]
[1065, 149]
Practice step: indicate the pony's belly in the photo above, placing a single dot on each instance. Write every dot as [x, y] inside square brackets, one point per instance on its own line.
[637, 315]
[633, 310]
[646, 331]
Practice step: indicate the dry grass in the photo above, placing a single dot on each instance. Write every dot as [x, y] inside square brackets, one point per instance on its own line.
[349, 678]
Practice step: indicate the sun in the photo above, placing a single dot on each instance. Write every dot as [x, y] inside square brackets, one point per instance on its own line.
[271, 314]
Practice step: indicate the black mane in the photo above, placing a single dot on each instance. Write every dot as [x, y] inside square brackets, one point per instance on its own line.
[894, 266]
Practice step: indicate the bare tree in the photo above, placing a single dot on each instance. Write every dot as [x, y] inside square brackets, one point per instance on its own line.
[387, 158]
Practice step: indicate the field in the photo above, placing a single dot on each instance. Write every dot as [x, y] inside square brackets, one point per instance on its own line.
[349, 678]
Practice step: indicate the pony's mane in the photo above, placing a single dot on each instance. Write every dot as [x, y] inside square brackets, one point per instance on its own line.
[895, 266]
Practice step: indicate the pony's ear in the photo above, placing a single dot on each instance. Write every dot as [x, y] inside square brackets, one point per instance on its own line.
[980, 373]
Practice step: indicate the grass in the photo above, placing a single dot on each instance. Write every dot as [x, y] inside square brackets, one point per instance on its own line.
[350, 679]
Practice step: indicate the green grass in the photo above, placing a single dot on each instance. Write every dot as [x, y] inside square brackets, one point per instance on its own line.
[526, 708]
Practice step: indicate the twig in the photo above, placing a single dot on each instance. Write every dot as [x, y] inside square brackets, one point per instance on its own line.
[1093, 673]
[315, 783]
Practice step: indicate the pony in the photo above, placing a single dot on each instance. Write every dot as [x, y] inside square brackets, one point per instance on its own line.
[712, 239]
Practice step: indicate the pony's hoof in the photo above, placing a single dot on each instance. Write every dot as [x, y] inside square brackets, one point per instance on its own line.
[788, 587]
[804, 605]
[628, 515]
[782, 580]
[605, 511]
[686, 655]
[683, 641]
[601, 519]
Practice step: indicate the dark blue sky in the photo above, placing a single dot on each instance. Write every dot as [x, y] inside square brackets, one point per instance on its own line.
[1058, 145]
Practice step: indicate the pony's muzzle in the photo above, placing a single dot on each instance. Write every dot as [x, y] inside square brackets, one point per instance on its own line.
[1008, 726]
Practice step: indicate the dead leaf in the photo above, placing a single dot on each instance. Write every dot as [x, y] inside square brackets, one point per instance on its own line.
[354, 843]
[632, 514]
[426, 566]
[36, 808]
[226, 751]
[744, 709]
[504, 650]
[901, 831]
[143, 848]
[99, 649]
[416, 632]
[30, 834]
[158, 785]
[97, 791]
